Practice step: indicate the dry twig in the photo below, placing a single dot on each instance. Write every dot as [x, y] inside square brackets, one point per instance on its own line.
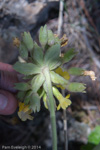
[89, 17]
[60, 22]
[93, 56]
[60, 25]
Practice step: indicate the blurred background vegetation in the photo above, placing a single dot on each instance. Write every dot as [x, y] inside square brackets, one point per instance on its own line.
[81, 24]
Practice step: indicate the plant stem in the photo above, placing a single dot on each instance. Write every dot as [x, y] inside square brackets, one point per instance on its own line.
[51, 101]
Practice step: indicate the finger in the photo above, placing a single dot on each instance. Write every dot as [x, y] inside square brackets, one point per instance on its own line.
[8, 80]
[6, 67]
[8, 103]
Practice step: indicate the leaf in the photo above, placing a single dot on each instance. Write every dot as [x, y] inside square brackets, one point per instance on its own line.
[45, 100]
[37, 54]
[37, 82]
[23, 51]
[26, 68]
[52, 53]
[76, 87]
[21, 95]
[55, 64]
[22, 86]
[27, 77]
[43, 36]
[75, 71]
[57, 40]
[41, 92]
[62, 73]
[51, 57]
[45, 86]
[27, 97]
[57, 79]
[35, 102]
[69, 55]
[94, 136]
[28, 41]
[51, 38]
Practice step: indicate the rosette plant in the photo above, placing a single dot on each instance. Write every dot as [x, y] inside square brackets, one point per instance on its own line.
[41, 69]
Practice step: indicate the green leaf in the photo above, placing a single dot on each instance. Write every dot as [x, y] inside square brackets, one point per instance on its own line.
[28, 41]
[37, 82]
[27, 97]
[45, 100]
[43, 36]
[45, 89]
[75, 71]
[22, 86]
[51, 38]
[26, 68]
[41, 92]
[57, 79]
[55, 64]
[76, 87]
[21, 95]
[28, 77]
[57, 40]
[23, 51]
[35, 102]
[94, 136]
[69, 55]
[51, 57]
[45, 86]
[37, 54]
[52, 53]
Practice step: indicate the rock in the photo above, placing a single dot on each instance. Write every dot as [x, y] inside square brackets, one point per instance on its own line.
[18, 16]
[78, 131]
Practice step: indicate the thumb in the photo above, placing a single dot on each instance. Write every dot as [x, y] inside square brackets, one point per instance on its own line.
[7, 80]
[8, 103]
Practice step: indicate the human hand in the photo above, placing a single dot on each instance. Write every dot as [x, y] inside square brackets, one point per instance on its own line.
[8, 77]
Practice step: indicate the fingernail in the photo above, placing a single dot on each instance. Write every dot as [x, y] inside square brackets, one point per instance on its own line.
[3, 102]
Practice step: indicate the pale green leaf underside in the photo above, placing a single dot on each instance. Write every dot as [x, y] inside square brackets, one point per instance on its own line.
[28, 41]
[75, 71]
[43, 36]
[37, 54]
[51, 38]
[57, 79]
[76, 87]
[27, 97]
[69, 55]
[26, 68]
[37, 82]
[52, 55]
[23, 51]
[54, 64]
[35, 102]
[22, 86]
